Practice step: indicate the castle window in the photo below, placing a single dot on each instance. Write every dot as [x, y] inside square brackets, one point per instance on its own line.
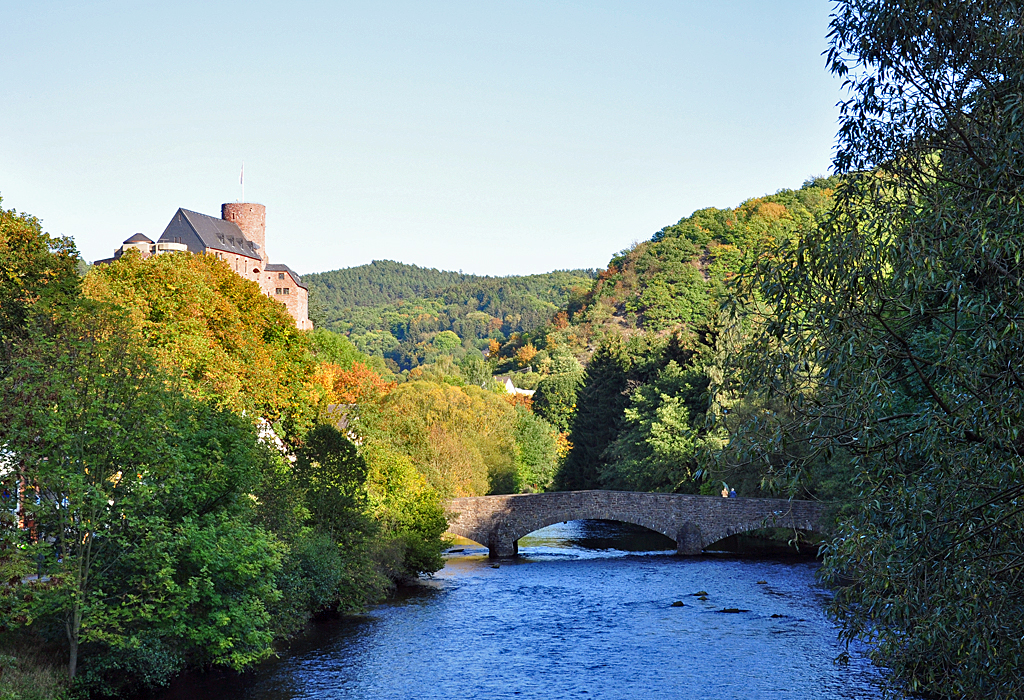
[280, 275]
[286, 290]
[256, 271]
[277, 291]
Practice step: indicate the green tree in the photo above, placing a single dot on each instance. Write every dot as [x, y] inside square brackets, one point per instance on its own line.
[536, 451]
[336, 548]
[129, 481]
[474, 370]
[555, 400]
[600, 404]
[447, 341]
[893, 335]
[407, 509]
[334, 348]
[662, 432]
[37, 276]
[333, 475]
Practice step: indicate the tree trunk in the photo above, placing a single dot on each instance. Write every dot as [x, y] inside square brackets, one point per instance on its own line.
[73, 660]
[73, 627]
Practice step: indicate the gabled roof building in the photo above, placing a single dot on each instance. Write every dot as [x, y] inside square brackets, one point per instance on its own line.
[238, 237]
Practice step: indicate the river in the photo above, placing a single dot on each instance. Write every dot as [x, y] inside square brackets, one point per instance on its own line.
[586, 611]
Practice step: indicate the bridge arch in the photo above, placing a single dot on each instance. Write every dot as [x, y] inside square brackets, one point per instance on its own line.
[525, 528]
[717, 534]
[475, 537]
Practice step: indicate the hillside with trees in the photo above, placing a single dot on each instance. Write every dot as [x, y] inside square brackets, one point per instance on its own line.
[625, 369]
[395, 311]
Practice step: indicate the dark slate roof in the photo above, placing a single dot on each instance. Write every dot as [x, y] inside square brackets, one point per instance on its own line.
[212, 232]
[138, 238]
[281, 267]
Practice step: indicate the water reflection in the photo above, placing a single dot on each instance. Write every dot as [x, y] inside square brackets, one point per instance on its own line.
[585, 612]
[581, 538]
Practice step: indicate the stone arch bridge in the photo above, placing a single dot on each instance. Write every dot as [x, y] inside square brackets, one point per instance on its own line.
[693, 522]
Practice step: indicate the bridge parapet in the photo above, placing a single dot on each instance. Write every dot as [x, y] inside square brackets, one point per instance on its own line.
[693, 522]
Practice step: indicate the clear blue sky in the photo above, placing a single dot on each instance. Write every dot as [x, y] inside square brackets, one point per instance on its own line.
[497, 138]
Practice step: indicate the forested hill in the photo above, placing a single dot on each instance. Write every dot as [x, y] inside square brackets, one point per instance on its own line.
[675, 279]
[647, 331]
[395, 310]
[380, 282]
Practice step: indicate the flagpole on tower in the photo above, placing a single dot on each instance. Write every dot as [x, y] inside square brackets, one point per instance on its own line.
[241, 180]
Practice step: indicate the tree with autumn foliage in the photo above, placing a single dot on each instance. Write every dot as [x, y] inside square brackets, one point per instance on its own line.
[525, 355]
[221, 338]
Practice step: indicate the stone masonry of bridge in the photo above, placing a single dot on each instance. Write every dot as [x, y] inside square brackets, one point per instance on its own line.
[693, 522]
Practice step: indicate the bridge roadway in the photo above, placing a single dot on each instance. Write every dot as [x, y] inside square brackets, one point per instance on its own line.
[693, 522]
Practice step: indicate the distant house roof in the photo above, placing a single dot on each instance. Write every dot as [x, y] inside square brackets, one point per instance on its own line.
[510, 387]
[281, 267]
[200, 232]
[139, 238]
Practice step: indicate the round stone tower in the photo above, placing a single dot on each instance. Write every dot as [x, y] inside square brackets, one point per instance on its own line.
[252, 219]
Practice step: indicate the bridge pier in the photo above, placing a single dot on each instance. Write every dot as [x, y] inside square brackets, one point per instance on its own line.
[689, 541]
[499, 547]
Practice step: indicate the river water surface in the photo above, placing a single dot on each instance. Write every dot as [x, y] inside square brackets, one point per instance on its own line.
[584, 612]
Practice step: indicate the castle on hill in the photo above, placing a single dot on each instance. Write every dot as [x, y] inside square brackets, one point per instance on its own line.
[239, 238]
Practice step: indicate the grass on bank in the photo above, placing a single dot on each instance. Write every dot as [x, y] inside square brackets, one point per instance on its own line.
[31, 671]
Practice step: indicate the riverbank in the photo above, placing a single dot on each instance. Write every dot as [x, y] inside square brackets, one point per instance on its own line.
[40, 675]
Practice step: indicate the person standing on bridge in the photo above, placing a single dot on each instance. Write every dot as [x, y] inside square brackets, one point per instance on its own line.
[732, 493]
[725, 490]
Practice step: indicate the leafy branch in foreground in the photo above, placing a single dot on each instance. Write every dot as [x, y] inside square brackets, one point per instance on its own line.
[892, 338]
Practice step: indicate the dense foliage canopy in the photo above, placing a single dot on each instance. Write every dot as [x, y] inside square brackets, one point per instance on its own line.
[222, 339]
[34, 268]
